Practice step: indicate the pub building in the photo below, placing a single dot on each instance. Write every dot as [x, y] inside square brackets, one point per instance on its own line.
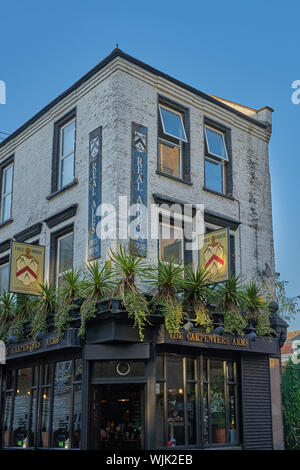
[127, 129]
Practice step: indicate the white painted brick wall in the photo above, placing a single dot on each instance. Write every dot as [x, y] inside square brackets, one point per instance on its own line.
[114, 103]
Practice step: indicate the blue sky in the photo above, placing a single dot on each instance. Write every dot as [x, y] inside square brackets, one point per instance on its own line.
[245, 53]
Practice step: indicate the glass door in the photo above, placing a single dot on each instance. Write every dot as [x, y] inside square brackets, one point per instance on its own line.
[117, 417]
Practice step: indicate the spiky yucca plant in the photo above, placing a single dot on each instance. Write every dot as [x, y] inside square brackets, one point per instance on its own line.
[231, 299]
[167, 281]
[128, 266]
[257, 308]
[7, 307]
[72, 288]
[197, 294]
[45, 305]
[99, 285]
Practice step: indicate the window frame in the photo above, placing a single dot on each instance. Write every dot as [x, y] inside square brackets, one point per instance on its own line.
[163, 123]
[4, 166]
[56, 151]
[54, 250]
[63, 157]
[206, 126]
[161, 222]
[60, 274]
[171, 144]
[227, 184]
[4, 262]
[162, 137]
[219, 162]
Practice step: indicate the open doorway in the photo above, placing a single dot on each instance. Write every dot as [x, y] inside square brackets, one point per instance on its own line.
[117, 416]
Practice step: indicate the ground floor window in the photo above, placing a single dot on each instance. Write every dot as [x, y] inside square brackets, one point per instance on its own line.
[42, 406]
[196, 401]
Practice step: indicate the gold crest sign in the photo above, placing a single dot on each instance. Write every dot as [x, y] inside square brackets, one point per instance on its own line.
[26, 268]
[214, 255]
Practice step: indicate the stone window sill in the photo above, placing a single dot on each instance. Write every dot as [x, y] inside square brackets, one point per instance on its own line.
[62, 190]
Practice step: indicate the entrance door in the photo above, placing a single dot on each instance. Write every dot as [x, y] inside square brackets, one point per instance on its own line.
[117, 418]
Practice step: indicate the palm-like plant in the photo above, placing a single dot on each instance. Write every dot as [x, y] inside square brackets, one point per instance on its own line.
[128, 266]
[197, 294]
[99, 285]
[23, 312]
[232, 298]
[73, 287]
[7, 307]
[257, 308]
[45, 305]
[167, 281]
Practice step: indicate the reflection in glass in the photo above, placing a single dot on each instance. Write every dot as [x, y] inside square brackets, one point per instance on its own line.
[214, 175]
[190, 368]
[191, 413]
[20, 436]
[232, 415]
[205, 414]
[170, 161]
[7, 418]
[175, 402]
[77, 417]
[61, 405]
[217, 402]
[160, 415]
[45, 418]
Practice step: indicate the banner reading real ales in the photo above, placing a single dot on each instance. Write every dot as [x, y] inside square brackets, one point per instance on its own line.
[26, 268]
[214, 254]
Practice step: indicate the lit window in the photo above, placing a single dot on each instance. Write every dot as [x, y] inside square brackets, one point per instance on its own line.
[171, 243]
[172, 123]
[4, 277]
[64, 257]
[216, 143]
[67, 149]
[6, 199]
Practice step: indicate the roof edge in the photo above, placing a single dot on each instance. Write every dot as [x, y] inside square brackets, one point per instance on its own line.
[119, 53]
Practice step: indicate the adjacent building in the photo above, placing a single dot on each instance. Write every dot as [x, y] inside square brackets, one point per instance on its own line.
[128, 130]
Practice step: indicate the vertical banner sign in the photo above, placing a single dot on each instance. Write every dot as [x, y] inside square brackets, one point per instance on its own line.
[95, 157]
[139, 186]
[214, 254]
[26, 271]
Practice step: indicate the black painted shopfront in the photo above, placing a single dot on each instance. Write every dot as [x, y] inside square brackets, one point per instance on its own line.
[110, 392]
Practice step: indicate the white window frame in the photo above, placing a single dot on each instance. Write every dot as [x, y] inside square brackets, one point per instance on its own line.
[215, 161]
[4, 195]
[62, 157]
[168, 143]
[224, 143]
[59, 275]
[163, 124]
[182, 240]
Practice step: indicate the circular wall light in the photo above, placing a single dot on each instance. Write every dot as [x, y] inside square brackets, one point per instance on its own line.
[123, 368]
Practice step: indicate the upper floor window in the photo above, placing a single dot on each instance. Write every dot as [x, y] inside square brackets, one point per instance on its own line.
[215, 158]
[67, 152]
[63, 158]
[64, 257]
[6, 193]
[171, 243]
[172, 143]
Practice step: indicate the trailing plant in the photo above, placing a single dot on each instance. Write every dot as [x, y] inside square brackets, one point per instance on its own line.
[257, 308]
[46, 304]
[197, 295]
[7, 306]
[73, 287]
[128, 266]
[291, 404]
[99, 286]
[167, 280]
[231, 299]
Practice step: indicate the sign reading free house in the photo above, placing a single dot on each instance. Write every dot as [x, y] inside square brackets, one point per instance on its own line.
[214, 255]
[139, 186]
[26, 268]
